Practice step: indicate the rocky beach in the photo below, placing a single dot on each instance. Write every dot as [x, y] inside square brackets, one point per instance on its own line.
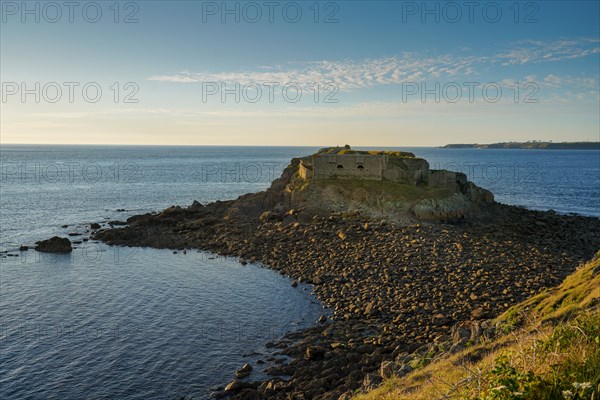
[409, 271]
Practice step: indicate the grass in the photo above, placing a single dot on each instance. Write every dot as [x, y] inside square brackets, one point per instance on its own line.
[399, 154]
[348, 150]
[547, 347]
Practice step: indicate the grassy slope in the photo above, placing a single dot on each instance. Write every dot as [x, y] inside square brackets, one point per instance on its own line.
[547, 347]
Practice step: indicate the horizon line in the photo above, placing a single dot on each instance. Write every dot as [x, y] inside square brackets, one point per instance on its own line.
[196, 145]
[293, 145]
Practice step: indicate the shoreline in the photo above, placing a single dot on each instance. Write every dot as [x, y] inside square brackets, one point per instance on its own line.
[394, 289]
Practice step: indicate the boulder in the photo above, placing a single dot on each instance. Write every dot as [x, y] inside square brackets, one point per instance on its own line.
[196, 205]
[244, 371]
[439, 319]
[390, 369]
[314, 353]
[387, 369]
[461, 332]
[272, 386]
[54, 245]
[236, 386]
[371, 309]
[280, 371]
[371, 381]
[479, 313]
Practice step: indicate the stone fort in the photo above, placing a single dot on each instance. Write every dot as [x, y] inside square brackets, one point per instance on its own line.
[392, 166]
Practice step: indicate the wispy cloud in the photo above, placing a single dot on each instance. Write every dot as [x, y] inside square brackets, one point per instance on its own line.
[407, 67]
[537, 51]
[553, 81]
[347, 74]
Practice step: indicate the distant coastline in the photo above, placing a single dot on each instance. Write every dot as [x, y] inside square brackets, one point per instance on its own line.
[528, 145]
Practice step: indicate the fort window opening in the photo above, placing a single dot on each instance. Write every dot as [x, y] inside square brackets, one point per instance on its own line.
[361, 167]
[340, 166]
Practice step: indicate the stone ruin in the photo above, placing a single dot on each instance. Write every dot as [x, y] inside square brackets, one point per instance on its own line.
[392, 166]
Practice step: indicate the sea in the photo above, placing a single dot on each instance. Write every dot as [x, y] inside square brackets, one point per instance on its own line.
[108, 322]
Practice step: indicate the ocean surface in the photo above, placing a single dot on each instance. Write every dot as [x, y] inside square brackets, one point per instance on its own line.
[110, 322]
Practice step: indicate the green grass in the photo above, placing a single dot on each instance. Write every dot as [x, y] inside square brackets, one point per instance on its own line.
[548, 347]
[570, 354]
[348, 150]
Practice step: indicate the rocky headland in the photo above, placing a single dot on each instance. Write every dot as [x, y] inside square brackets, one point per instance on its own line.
[403, 259]
[535, 144]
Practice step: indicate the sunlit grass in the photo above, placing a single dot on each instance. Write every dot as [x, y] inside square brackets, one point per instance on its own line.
[548, 347]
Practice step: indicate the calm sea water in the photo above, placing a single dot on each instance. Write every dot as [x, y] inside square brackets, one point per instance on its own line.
[111, 322]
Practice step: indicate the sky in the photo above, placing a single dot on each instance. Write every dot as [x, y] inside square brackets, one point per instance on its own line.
[367, 73]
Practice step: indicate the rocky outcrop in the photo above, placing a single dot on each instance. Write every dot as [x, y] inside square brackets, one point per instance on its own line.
[54, 245]
[466, 201]
[447, 198]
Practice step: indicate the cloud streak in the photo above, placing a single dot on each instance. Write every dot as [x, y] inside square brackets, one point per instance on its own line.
[537, 51]
[349, 75]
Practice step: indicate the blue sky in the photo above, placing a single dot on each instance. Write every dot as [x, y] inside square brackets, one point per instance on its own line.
[372, 62]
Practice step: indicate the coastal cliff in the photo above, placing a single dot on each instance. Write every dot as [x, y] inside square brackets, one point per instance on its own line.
[396, 278]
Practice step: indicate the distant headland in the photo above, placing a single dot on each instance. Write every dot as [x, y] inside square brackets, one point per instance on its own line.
[533, 144]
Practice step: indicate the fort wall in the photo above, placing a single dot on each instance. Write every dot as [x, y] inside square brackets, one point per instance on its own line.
[379, 167]
[326, 166]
